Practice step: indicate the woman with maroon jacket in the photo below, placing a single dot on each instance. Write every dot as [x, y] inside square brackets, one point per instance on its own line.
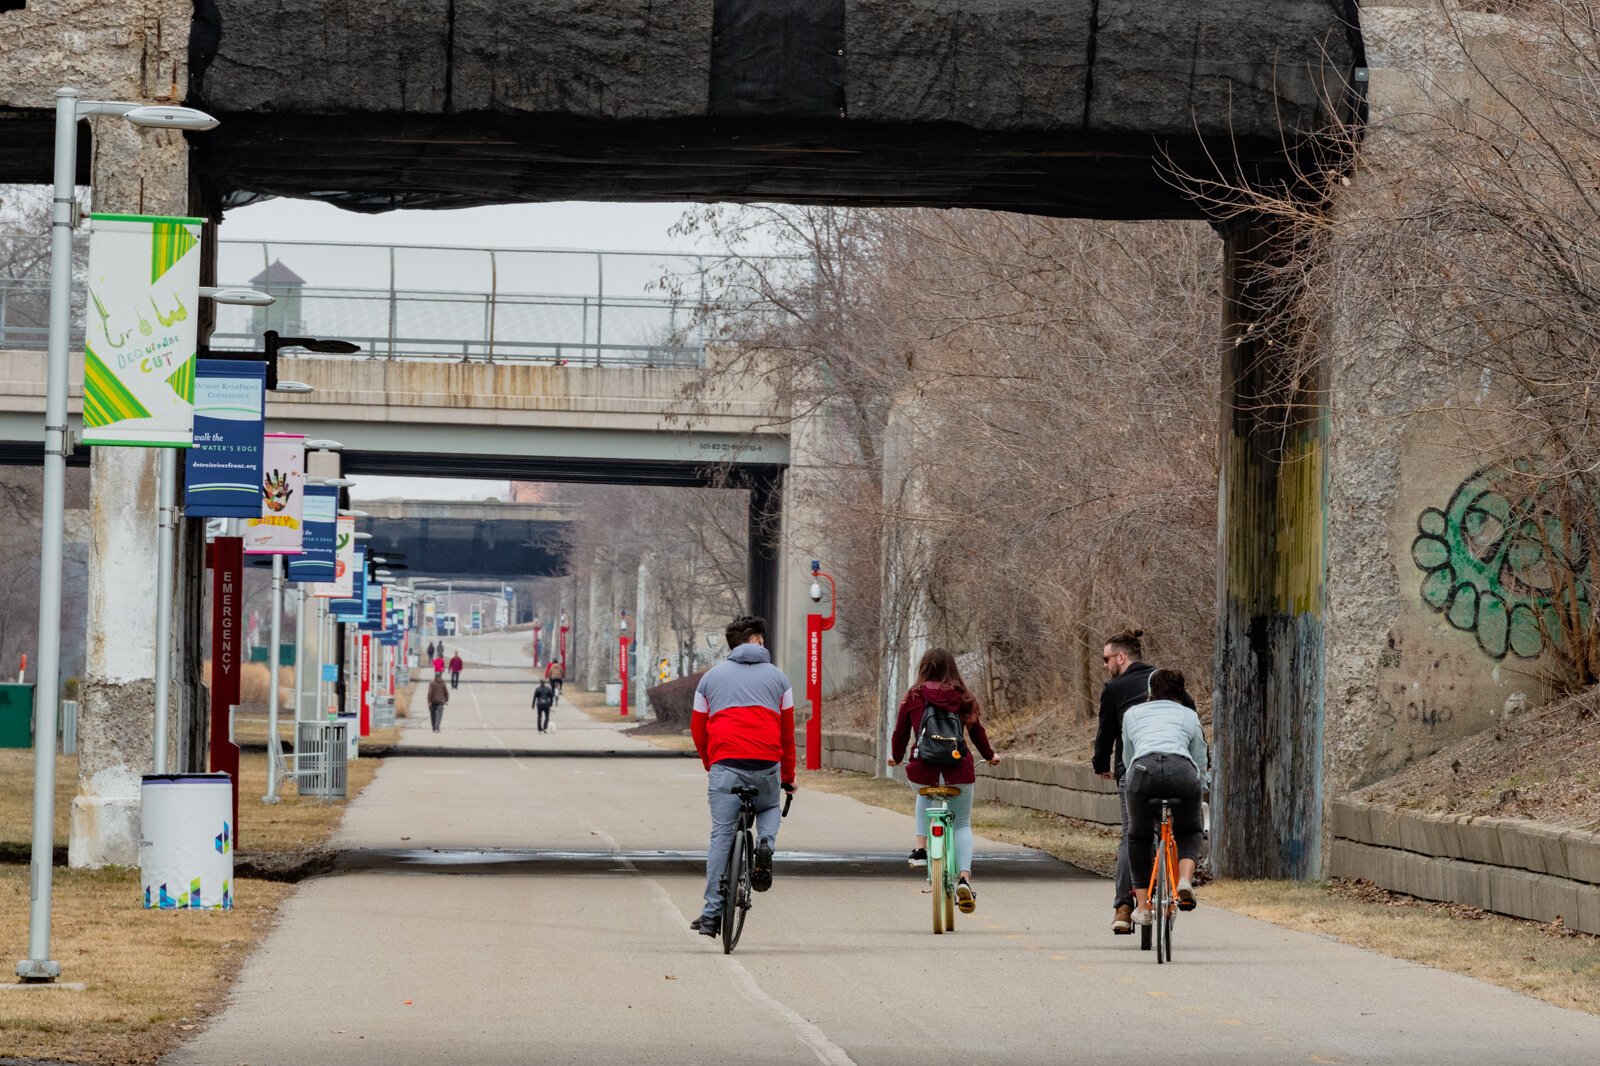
[939, 684]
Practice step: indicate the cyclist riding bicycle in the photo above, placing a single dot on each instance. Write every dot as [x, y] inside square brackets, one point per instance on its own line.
[939, 685]
[743, 728]
[1166, 752]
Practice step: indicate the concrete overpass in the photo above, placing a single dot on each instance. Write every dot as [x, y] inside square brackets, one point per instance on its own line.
[476, 538]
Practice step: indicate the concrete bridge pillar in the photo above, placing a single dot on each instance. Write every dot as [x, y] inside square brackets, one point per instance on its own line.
[134, 173]
[1268, 726]
[764, 577]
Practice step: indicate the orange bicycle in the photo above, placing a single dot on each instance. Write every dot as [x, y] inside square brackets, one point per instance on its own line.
[1163, 886]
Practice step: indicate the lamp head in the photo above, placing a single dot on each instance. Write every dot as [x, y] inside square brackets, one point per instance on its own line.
[171, 118]
[816, 592]
[293, 386]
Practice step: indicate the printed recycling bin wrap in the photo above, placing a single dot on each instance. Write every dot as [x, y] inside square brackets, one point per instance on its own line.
[186, 842]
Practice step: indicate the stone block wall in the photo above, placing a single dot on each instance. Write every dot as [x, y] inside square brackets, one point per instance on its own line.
[1055, 785]
[1507, 865]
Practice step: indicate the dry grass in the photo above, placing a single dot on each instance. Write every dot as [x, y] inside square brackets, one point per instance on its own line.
[16, 796]
[134, 1009]
[593, 704]
[1548, 963]
[152, 976]
[669, 741]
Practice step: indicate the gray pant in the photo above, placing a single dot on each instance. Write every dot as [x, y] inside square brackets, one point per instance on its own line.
[436, 714]
[725, 819]
[1124, 867]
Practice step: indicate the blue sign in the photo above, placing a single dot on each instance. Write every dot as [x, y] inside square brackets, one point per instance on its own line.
[330, 672]
[318, 539]
[355, 608]
[372, 622]
[222, 472]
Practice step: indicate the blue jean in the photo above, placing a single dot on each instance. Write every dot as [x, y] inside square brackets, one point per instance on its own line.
[960, 823]
[725, 820]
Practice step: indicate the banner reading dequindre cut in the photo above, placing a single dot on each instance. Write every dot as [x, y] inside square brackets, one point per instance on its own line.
[344, 561]
[283, 491]
[139, 332]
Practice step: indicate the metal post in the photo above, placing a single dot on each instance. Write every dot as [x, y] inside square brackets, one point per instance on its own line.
[599, 307]
[393, 310]
[39, 966]
[322, 656]
[166, 490]
[272, 681]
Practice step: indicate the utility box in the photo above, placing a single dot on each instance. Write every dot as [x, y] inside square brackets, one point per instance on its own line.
[16, 716]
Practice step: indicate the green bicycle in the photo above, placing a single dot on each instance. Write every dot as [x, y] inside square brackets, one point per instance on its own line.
[942, 871]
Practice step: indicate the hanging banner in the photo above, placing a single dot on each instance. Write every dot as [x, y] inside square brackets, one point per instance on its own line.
[353, 608]
[278, 529]
[222, 476]
[317, 560]
[372, 622]
[344, 560]
[139, 337]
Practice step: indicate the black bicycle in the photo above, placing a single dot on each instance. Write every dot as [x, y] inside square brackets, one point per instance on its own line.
[736, 888]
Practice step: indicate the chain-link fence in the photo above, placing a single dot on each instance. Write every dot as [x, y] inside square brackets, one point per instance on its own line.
[419, 302]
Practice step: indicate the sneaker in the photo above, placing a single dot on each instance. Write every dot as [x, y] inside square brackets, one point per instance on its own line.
[919, 857]
[1141, 916]
[1186, 900]
[966, 899]
[707, 925]
[1122, 923]
[761, 868]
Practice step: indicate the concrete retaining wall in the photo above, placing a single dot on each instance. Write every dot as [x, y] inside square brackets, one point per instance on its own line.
[1526, 869]
[1055, 785]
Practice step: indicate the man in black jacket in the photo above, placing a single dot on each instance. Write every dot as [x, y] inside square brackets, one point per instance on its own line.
[1129, 684]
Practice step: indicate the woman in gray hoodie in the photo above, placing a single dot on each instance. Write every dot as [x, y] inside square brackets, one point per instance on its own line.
[1165, 749]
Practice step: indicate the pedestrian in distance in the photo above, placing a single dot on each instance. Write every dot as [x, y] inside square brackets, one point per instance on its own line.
[743, 729]
[1166, 751]
[430, 651]
[557, 674]
[544, 697]
[1127, 684]
[438, 661]
[438, 696]
[455, 670]
[937, 695]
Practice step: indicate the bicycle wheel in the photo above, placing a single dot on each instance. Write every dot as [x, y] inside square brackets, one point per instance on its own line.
[949, 895]
[936, 885]
[1158, 899]
[736, 897]
[1171, 909]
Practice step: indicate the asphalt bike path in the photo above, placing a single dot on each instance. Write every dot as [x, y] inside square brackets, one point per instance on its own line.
[520, 909]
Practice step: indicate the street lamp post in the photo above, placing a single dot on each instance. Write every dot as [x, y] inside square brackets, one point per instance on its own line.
[566, 624]
[816, 625]
[39, 966]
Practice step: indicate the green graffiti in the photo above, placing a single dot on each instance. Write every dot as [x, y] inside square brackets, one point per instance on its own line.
[1495, 556]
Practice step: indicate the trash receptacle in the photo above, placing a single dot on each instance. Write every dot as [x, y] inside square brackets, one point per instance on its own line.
[186, 841]
[16, 716]
[324, 763]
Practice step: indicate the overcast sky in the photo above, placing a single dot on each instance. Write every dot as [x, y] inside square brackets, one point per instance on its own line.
[607, 227]
[565, 225]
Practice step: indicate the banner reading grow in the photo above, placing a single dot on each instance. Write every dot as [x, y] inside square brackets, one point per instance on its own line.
[344, 561]
[222, 478]
[317, 560]
[139, 337]
[279, 529]
[353, 608]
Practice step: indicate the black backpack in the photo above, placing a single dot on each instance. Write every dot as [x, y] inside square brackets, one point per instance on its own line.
[939, 742]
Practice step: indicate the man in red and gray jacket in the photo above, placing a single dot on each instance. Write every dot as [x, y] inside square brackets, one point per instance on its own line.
[743, 727]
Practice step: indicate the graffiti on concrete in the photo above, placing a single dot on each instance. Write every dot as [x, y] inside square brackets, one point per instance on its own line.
[1494, 558]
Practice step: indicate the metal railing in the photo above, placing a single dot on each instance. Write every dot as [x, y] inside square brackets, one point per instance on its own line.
[624, 309]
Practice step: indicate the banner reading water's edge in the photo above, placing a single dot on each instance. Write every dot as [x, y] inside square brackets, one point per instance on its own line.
[139, 333]
[316, 561]
[279, 528]
[222, 476]
[344, 560]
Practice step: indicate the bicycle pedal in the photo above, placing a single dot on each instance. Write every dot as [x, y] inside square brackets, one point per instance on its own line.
[1187, 906]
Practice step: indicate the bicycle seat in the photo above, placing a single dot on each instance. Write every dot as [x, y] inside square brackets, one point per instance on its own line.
[1157, 803]
[745, 791]
[939, 791]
